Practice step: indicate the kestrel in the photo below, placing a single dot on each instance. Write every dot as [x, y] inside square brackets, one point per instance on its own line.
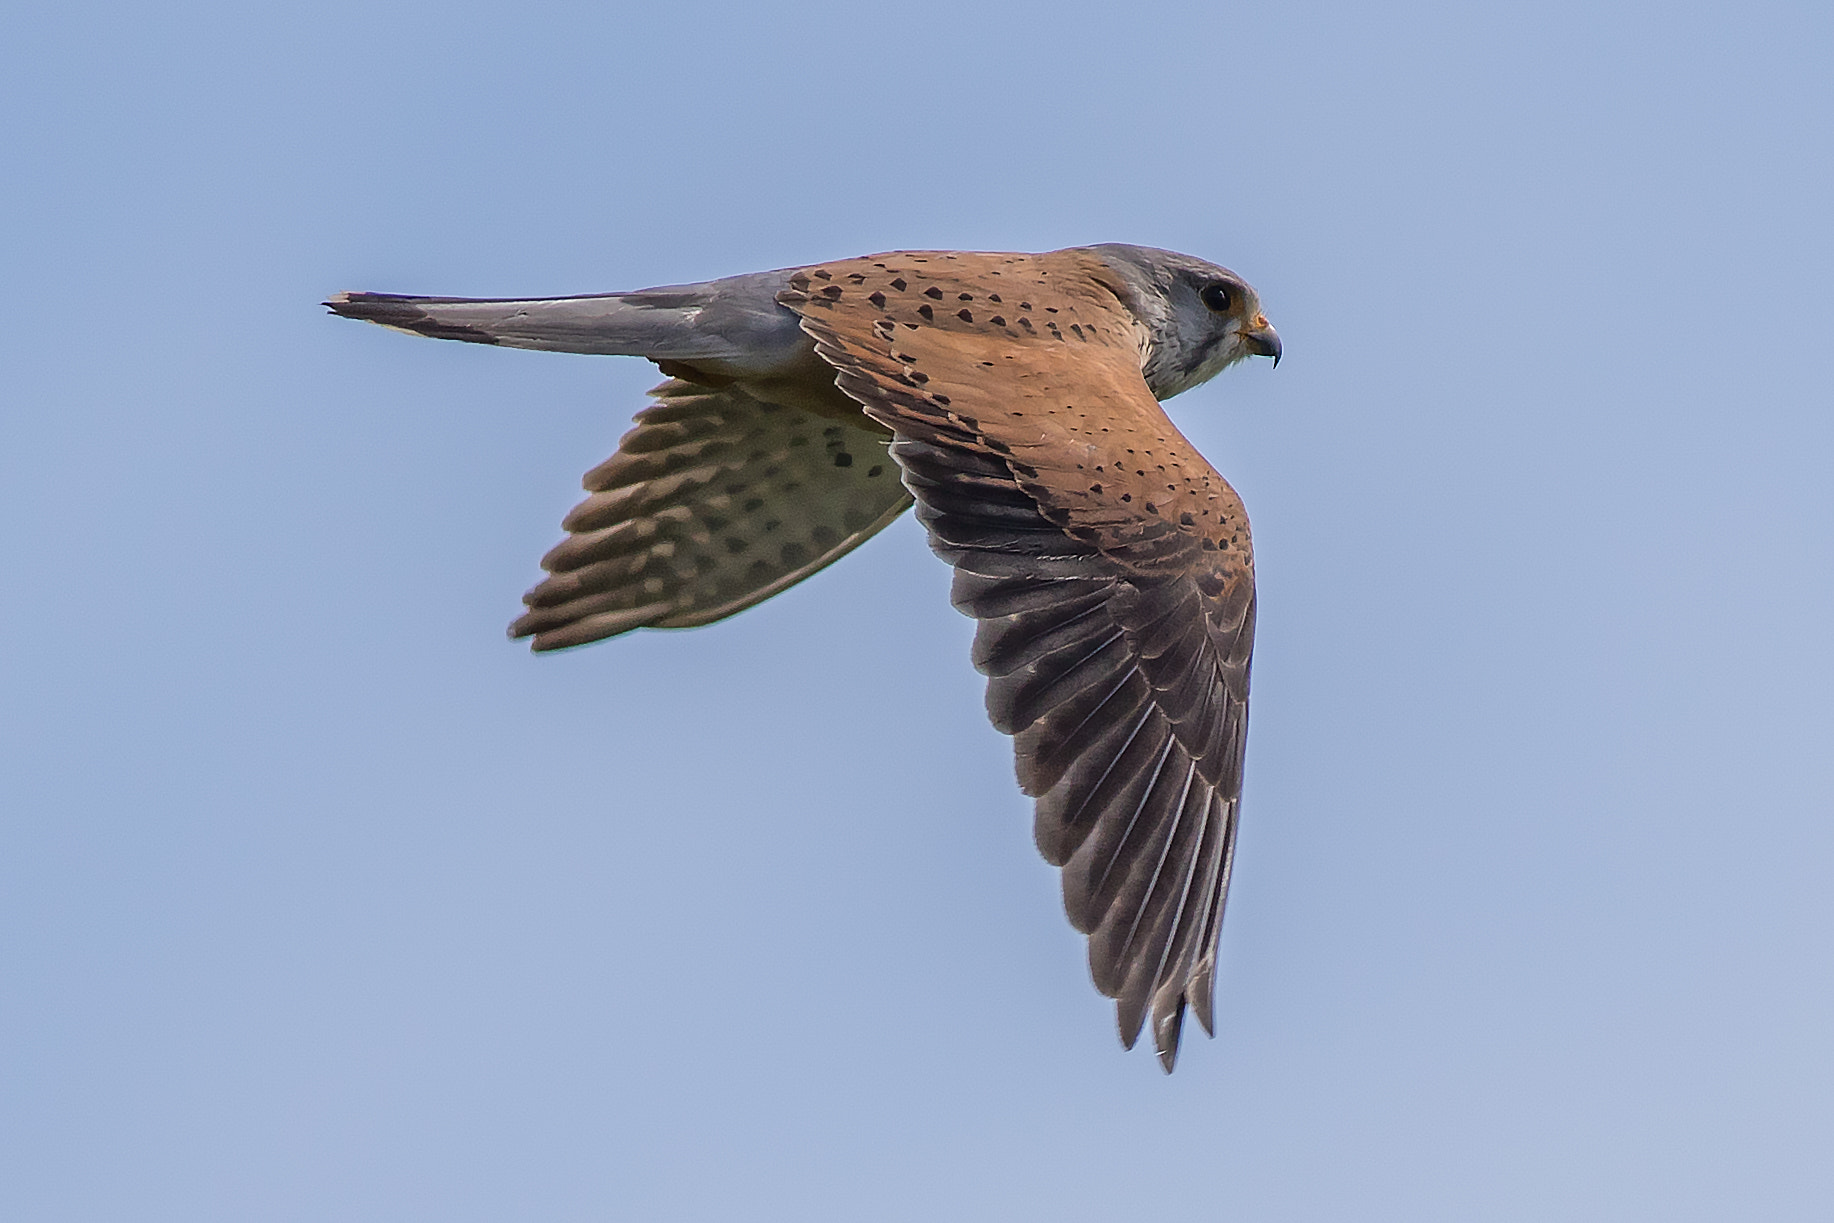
[1015, 399]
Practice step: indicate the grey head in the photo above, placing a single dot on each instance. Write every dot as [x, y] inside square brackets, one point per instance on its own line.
[1199, 318]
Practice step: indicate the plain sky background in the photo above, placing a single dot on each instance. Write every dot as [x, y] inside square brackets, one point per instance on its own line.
[319, 900]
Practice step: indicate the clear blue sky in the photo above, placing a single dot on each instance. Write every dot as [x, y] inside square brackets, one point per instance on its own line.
[321, 900]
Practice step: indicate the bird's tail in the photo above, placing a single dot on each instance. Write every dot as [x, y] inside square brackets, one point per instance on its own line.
[645, 324]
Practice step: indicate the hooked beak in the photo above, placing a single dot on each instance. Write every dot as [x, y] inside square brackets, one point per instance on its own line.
[1263, 340]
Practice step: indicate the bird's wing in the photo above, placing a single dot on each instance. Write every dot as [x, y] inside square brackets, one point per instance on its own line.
[1109, 567]
[720, 497]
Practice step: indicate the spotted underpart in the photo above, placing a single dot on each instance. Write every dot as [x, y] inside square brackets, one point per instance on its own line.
[715, 500]
[1109, 566]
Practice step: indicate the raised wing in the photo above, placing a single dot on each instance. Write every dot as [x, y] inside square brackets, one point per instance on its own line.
[720, 497]
[1110, 569]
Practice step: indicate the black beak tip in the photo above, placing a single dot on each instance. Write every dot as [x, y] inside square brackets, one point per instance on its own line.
[1265, 343]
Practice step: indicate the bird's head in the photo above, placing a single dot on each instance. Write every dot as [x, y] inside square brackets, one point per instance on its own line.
[1197, 318]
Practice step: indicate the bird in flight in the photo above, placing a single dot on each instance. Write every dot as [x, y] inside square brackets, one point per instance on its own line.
[1014, 398]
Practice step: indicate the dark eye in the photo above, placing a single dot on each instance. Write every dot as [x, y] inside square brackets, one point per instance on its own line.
[1217, 297]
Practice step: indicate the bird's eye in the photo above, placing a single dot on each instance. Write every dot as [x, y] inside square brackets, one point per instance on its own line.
[1217, 297]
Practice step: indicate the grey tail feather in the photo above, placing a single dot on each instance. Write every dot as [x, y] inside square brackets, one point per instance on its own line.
[405, 313]
[642, 324]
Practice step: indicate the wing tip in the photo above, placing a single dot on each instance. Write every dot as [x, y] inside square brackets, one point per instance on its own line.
[1201, 990]
[563, 628]
[1168, 1026]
